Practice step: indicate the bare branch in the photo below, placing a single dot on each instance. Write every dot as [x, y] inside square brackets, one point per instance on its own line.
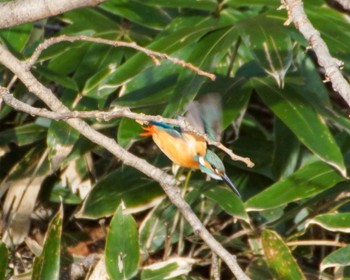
[115, 113]
[168, 183]
[331, 65]
[153, 54]
[22, 11]
[345, 4]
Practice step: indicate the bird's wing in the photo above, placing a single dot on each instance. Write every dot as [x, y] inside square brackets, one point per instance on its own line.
[212, 115]
[194, 116]
[205, 115]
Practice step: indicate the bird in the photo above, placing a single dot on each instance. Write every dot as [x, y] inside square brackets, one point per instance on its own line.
[188, 149]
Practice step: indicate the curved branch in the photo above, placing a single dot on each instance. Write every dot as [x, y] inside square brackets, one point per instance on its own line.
[115, 113]
[167, 182]
[331, 65]
[23, 11]
[153, 54]
[345, 4]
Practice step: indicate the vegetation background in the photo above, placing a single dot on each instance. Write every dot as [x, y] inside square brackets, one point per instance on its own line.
[72, 210]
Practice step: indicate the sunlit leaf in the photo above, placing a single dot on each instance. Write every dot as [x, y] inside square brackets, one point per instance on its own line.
[122, 247]
[333, 221]
[47, 265]
[338, 258]
[60, 140]
[279, 258]
[168, 269]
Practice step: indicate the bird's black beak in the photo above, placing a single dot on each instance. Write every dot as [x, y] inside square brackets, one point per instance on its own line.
[230, 184]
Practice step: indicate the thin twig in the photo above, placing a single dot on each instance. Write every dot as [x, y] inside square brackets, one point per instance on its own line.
[115, 113]
[331, 65]
[316, 243]
[345, 4]
[153, 54]
[215, 267]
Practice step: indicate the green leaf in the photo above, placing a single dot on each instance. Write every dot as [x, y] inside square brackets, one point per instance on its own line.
[308, 181]
[269, 43]
[258, 270]
[61, 134]
[16, 37]
[279, 258]
[65, 57]
[336, 35]
[228, 201]
[23, 134]
[127, 184]
[333, 221]
[209, 5]
[58, 78]
[150, 88]
[137, 12]
[128, 130]
[122, 247]
[316, 93]
[168, 269]
[89, 21]
[302, 119]
[286, 152]
[63, 193]
[168, 42]
[3, 260]
[47, 265]
[235, 3]
[60, 140]
[154, 229]
[338, 258]
[206, 55]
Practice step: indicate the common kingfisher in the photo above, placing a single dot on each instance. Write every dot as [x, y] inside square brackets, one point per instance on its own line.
[187, 149]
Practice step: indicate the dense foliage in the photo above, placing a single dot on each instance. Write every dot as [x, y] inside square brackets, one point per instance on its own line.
[294, 217]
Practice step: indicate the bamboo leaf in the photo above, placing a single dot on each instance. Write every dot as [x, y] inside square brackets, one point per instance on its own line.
[303, 120]
[279, 258]
[333, 221]
[47, 265]
[122, 246]
[308, 181]
[338, 258]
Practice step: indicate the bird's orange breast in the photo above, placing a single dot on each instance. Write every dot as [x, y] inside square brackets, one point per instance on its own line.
[182, 150]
